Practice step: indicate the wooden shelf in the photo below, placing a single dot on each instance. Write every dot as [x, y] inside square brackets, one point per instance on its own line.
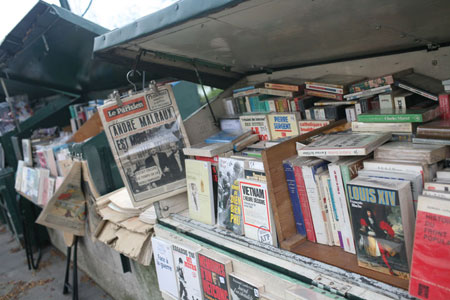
[337, 257]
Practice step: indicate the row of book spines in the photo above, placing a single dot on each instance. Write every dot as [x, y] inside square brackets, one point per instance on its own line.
[243, 105]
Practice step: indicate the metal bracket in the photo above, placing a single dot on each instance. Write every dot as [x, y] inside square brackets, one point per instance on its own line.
[116, 97]
[432, 47]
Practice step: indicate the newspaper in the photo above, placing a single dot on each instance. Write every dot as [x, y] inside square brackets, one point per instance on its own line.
[66, 210]
[146, 136]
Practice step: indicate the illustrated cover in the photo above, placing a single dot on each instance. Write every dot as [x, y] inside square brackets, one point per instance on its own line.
[146, 135]
[214, 274]
[241, 289]
[187, 273]
[383, 224]
[348, 144]
[165, 269]
[430, 268]
[288, 166]
[66, 210]
[258, 124]
[257, 212]
[229, 213]
[283, 125]
[200, 191]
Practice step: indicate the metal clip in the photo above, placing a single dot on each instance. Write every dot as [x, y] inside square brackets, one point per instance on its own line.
[153, 87]
[116, 97]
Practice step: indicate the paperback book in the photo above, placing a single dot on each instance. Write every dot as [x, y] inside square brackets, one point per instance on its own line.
[187, 272]
[200, 191]
[214, 270]
[430, 268]
[383, 224]
[283, 125]
[229, 210]
[242, 289]
[399, 116]
[165, 269]
[258, 124]
[348, 144]
[411, 152]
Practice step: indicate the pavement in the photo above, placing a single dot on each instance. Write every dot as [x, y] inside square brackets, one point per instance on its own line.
[17, 282]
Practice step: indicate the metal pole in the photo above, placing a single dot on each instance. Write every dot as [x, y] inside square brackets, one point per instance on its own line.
[65, 4]
[11, 107]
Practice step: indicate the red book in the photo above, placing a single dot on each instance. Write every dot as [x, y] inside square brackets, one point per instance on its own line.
[213, 273]
[324, 94]
[304, 204]
[430, 267]
[444, 105]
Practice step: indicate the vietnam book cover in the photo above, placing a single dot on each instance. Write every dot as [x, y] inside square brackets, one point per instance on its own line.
[378, 230]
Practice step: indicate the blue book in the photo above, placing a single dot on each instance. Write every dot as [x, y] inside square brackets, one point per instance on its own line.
[246, 88]
[293, 194]
[227, 137]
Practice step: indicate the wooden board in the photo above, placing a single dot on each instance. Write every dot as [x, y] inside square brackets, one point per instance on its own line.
[91, 128]
[337, 257]
[278, 191]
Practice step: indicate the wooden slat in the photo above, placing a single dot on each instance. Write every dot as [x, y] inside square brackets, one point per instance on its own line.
[276, 181]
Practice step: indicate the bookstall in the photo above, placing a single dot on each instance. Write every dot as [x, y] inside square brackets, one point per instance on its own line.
[237, 44]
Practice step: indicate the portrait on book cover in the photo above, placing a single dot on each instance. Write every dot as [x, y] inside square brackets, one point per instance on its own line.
[379, 239]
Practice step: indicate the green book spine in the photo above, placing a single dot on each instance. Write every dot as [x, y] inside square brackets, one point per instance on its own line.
[345, 177]
[406, 118]
[72, 112]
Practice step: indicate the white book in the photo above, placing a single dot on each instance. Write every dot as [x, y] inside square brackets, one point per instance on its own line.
[340, 198]
[257, 212]
[18, 183]
[207, 150]
[27, 154]
[382, 127]
[44, 174]
[258, 124]
[386, 101]
[51, 187]
[443, 175]
[439, 194]
[309, 172]
[413, 152]
[395, 167]
[400, 100]
[51, 161]
[272, 107]
[437, 186]
[165, 269]
[248, 106]
[187, 271]
[348, 144]
[328, 208]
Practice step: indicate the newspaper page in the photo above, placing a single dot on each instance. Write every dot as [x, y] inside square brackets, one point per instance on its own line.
[146, 136]
[66, 210]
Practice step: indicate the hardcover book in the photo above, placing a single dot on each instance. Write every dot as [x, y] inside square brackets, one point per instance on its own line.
[288, 166]
[420, 84]
[408, 115]
[430, 268]
[229, 210]
[242, 289]
[146, 135]
[258, 124]
[383, 224]
[187, 272]
[200, 191]
[348, 144]
[283, 125]
[165, 269]
[214, 270]
[257, 212]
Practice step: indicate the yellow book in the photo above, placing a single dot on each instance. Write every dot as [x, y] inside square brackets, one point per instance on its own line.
[283, 125]
[200, 191]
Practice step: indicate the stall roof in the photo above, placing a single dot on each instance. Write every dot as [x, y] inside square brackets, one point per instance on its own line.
[231, 38]
[51, 48]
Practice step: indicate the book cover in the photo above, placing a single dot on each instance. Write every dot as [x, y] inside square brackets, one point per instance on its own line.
[348, 144]
[303, 198]
[324, 94]
[200, 191]
[207, 150]
[165, 269]
[325, 206]
[51, 188]
[398, 167]
[214, 272]
[309, 170]
[310, 125]
[146, 135]
[282, 86]
[383, 224]
[293, 194]
[335, 81]
[43, 191]
[407, 115]
[369, 92]
[430, 268]
[257, 212]
[229, 214]
[383, 127]
[51, 162]
[283, 125]
[187, 272]
[377, 81]
[242, 289]
[258, 124]
[40, 153]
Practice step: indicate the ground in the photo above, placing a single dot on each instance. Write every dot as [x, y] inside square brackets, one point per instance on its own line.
[17, 282]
